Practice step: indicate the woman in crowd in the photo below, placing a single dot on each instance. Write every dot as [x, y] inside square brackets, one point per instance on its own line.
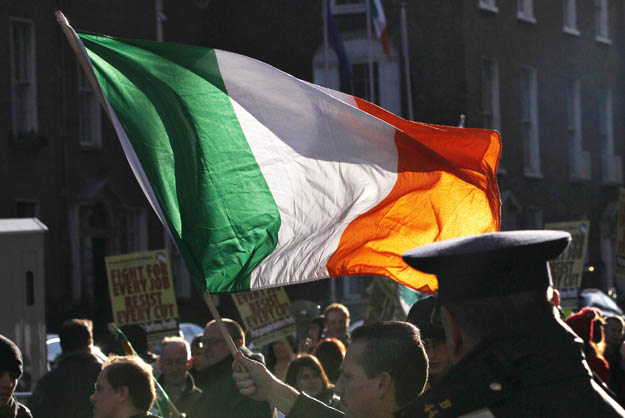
[315, 331]
[330, 352]
[279, 357]
[306, 374]
[588, 326]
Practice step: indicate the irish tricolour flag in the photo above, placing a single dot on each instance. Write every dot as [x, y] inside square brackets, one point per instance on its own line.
[266, 180]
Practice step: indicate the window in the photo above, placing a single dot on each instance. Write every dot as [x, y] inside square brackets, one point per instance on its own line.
[490, 94]
[488, 5]
[361, 85]
[579, 160]
[136, 230]
[90, 123]
[535, 218]
[601, 21]
[525, 10]
[182, 278]
[611, 171]
[529, 122]
[510, 211]
[386, 75]
[23, 79]
[569, 9]
[355, 287]
[348, 6]
[27, 208]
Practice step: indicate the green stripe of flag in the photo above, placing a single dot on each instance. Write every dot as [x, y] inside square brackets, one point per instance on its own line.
[174, 107]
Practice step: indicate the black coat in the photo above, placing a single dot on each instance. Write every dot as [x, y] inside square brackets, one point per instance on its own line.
[221, 397]
[64, 391]
[539, 372]
[14, 409]
[309, 407]
[189, 396]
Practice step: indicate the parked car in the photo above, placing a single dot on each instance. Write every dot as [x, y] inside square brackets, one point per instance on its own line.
[53, 345]
[597, 299]
[190, 331]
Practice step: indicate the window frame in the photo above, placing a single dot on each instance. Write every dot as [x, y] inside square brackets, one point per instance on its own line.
[579, 160]
[34, 202]
[531, 144]
[388, 70]
[488, 5]
[86, 90]
[495, 102]
[602, 22]
[31, 71]
[569, 17]
[342, 9]
[139, 234]
[525, 11]
[611, 168]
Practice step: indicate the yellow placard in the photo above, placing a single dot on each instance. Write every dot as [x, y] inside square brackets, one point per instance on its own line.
[141, 288]
[265, 314]
[619, 268]
[567, 269]
[383, 303]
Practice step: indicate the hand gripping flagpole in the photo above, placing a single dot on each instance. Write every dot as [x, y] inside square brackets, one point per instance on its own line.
[85, 63]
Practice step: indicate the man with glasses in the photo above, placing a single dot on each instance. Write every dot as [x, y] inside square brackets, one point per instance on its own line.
[175, 363]
[220, 396]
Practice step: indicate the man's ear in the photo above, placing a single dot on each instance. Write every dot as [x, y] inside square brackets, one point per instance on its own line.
[123, 393]
[385, 383]
[455, 338]
[189, 364]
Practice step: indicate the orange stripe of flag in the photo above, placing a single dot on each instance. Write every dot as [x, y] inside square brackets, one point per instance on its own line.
[446, 187]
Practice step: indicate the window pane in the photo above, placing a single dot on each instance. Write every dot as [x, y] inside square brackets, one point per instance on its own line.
[27, 210]
[360, 82]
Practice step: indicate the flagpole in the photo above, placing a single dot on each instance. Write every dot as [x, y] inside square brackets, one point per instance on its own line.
[222, 327]
[404, 41]
[83, 59]
[324, 11]
[370, 52]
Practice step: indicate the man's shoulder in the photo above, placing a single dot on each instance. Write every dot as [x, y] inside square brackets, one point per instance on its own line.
[222, 398]
[309, 407]
[72, 367]
[23, 411]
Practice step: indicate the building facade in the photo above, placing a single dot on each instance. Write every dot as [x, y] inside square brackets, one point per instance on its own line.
[548, 75]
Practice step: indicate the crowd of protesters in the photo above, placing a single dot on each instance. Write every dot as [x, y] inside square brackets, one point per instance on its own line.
[493, 342]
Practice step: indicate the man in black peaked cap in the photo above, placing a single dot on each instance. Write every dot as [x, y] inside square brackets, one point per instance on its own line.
[425, 315]
[10, 372]
[512, 355]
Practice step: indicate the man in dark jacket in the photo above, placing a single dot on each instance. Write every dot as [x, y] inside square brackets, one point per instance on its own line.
[220, 396]
[64, 391]
[11, 363]
[175, 363]
[512, 355]
[424, 314]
